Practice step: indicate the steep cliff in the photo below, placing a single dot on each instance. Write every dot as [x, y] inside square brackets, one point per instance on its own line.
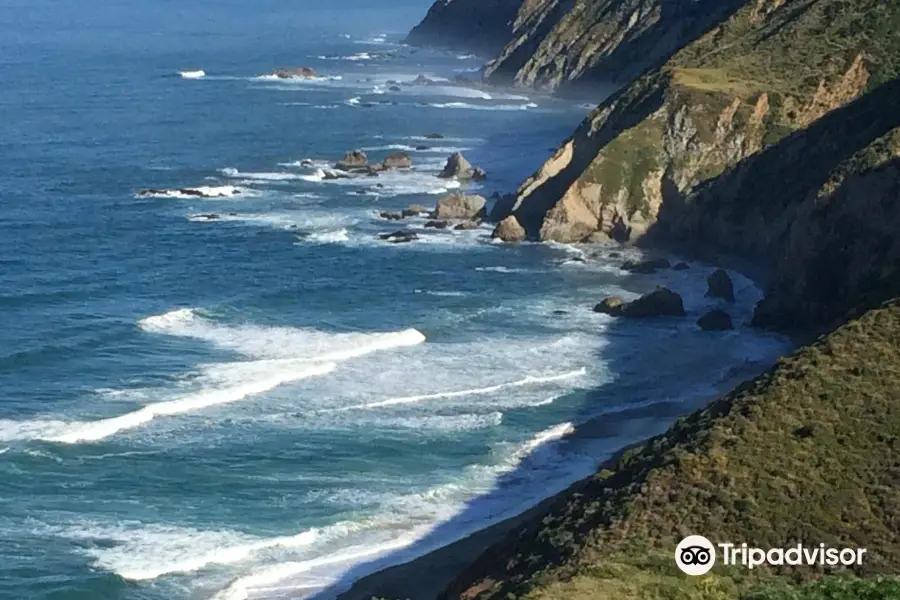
[480, 26]
[773, 68]
[559, 43]
[829, 414]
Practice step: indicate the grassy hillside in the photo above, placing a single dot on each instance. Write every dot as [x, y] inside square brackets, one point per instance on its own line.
[807, 452]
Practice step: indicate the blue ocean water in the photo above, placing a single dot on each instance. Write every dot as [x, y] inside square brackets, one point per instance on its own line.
[256, 405]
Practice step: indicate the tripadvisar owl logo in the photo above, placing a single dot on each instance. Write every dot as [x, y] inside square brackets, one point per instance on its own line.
[695, 555]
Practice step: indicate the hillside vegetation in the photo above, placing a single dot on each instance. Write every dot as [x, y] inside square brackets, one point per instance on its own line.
[809, 452]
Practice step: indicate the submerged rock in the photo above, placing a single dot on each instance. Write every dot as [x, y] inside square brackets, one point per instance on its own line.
[720, 285]
[414, 210]
[457, 166]
[611, 305]
[646, 267]
[390, 216]
[460, 206]
[399, 237]
[433, 136]
[355, 159]
[395, 88]
[436, 224]
[662, 302]
[509, 230]
[715, 320]
[682, 266]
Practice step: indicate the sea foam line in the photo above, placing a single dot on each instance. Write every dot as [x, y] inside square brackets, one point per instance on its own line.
[75, 432]
[529, 380]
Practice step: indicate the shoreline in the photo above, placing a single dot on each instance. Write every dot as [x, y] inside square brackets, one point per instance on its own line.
[427, 576]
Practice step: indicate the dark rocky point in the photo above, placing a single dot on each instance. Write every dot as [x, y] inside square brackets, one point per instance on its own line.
[720, 286]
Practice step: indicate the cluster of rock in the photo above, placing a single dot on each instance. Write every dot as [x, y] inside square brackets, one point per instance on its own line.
[356, 161]
[292, 73]
[663, 302]
[468, 212]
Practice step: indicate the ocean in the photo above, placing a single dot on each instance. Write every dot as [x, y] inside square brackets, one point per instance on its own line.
[274, 401]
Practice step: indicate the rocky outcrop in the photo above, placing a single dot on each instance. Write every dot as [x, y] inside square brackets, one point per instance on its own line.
[560, 43]
[662, 302]
[715, 320]
[611, 305]
[397, 160]
[457, 166]
[459, 206]
[719, 285]
[414, 210]
[509, 230]
[294, 73]
[480, 26]
[700, 114]
[399, 237]
[355, 159]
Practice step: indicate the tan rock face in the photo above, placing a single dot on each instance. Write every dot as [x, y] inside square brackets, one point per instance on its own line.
[459, 206]
[509, 230]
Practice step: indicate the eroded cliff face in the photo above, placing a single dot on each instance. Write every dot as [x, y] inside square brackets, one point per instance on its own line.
[480, 26]
[764, 93]
[559, 43]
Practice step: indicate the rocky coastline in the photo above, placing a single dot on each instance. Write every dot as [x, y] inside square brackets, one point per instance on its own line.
[761, 132]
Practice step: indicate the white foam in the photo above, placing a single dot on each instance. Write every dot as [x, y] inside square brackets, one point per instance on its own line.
[91, 431]
[355, 101]
[220, 191]
[500, 270]
[193, 74]
[525, 381]
[291, 343]
[235, 173]
[409, 519]
[329, 237]
[145, 552]
[468, 106]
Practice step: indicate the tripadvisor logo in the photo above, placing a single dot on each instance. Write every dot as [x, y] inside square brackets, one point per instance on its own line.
[696, 555]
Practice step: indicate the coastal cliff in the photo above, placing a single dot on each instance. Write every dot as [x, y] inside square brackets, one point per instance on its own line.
[480, 26]
[750, 116]
[560, 43]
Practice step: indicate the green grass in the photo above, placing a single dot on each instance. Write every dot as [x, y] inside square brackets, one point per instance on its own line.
[809, 452]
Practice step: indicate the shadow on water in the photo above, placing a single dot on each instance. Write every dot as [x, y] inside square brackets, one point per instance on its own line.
[656, 380]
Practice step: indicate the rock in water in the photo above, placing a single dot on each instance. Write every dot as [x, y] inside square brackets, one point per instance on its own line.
[662, 302]
[715, 320]
[399, 237]
[433, 136]
[611, 305]
[295, 73]
[332, 175]
[460, 206]
[355, 159]
[646, 267]
[509, 230]
[457, 166]
[437, 224]
[390, 216]
[682, 266]
[720, 286]
[397, 160]
[414, 210]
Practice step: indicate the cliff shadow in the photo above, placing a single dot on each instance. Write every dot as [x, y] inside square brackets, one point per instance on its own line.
[640, 403]
[758, 208]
